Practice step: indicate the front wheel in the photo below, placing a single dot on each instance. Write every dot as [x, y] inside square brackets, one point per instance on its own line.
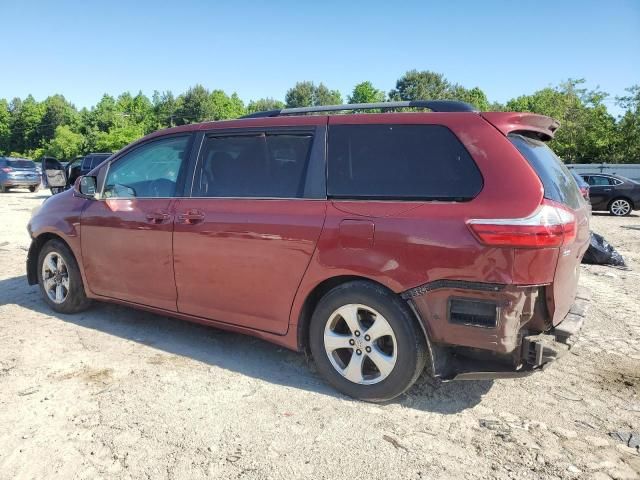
[33, 188]
[60, 280]
[366, 342]
[620, 207]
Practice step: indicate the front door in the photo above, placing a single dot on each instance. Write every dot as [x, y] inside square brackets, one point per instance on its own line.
[244, 239]
[126, 235]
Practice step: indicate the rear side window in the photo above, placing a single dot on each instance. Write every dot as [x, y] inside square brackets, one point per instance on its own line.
[556, 178]
[267, 166]
[400, 162]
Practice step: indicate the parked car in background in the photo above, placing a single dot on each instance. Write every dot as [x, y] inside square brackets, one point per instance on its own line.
[59, 176]
[618, 195]
[18, 172]
[582, 185]
[381, 243]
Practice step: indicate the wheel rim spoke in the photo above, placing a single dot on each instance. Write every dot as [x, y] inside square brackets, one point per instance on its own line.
[382, 361]
[51, 264]
[380, 328]
[334, 341]
[349, 314]
[65, 283]
[59, 293]
[353, 372]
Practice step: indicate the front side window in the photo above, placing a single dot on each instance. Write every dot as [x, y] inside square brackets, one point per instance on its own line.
[149, 171]
[400, 162]
[260, 165]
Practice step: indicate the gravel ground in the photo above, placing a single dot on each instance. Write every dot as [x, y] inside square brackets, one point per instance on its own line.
[118, 393]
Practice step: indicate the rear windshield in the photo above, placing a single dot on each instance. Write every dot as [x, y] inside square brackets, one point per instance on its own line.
[559, 185]
[21, 163]
[399, 162]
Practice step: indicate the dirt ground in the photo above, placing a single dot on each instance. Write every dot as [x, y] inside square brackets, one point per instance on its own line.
[118, 393]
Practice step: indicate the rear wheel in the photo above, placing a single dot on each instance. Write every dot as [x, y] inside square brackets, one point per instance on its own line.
[366, 342]
[60, 280]
[620, 207]
[33, 188]
[3, 189]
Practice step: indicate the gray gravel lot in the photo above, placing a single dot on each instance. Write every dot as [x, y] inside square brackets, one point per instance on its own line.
[118, 393]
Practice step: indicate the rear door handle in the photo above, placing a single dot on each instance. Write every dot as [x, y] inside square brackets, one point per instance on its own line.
[191, 217]
[157, 217]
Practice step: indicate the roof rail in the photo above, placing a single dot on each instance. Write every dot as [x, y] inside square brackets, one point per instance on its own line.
[433, 105]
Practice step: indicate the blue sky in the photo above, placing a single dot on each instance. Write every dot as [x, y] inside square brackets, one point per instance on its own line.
[259, 49]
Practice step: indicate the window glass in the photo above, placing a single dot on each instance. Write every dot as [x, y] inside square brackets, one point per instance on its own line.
[400, 162]
[598, 181]
[148, 171]
[556, 179]
[268, 166]
[21, 164]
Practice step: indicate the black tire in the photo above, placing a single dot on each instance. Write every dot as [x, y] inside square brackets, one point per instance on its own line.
[410, 342]
[76, 299]
[3, 189]
[33, 188]
[620, 207]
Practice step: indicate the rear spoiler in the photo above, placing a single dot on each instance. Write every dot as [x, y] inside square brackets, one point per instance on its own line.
[531, 124]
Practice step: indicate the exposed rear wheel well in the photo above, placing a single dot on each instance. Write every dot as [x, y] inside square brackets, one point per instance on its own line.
[34, 252]
[312, 301]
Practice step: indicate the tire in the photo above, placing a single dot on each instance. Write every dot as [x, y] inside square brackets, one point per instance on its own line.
[63, 296]
[3, 189]
[33, 188]
[620, 207]
[401, 351]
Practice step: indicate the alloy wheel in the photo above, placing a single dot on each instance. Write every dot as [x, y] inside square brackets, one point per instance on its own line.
[55, 277]
[620, 207]
[360, 344]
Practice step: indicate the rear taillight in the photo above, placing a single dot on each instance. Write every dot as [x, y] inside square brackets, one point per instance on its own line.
[7, 169]
[551, 225]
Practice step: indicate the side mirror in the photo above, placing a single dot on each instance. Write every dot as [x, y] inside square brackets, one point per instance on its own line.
[85, 186]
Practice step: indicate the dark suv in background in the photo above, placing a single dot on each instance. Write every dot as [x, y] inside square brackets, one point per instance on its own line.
[618, 195]
[381, 243]
[18, 172]
[59, 177]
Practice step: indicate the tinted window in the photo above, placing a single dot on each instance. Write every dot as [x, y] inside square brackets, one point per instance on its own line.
[598, 181]
[556, 179]
[150, 170]
[270, 166]
[97, 160]
[21, 164]
[400, 162]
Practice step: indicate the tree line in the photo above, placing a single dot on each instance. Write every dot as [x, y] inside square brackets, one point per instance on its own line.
[55, 127]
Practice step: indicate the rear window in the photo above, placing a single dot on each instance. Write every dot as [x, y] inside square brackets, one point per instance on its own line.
[21, 164]
[556, 178]
[400, 162]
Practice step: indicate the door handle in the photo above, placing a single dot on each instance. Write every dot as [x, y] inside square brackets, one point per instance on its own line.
[191, 217]
[157, 217]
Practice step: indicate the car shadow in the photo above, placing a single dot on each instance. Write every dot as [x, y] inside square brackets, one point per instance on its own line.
[607, 214]
[239, 353]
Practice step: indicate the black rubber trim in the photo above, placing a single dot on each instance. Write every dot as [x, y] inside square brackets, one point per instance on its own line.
[460, 284]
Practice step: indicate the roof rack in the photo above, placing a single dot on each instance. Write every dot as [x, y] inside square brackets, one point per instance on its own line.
[433, 105]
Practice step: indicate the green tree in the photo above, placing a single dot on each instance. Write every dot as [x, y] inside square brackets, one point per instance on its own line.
[5, 126]
[164, 108]
[118, 137]
[307, 94]
[365, 92]
[26, 117]
[57, 111]
[627, 149]
[194, 106]
[264, 104]
[427, 85]
[66, 144]
[223, 106]
[301, 95]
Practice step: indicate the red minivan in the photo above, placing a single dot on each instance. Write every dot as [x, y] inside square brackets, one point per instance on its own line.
[381, 243]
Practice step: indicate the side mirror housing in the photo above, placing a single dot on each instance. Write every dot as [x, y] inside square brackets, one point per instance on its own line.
[85, 186]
